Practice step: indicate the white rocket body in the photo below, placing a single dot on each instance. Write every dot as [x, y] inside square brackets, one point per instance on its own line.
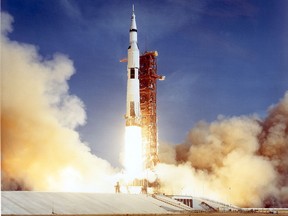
[133, 114]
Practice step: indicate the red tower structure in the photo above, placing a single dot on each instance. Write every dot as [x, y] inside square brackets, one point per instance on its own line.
[148, 104]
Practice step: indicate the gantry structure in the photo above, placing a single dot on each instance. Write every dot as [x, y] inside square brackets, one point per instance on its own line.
[148, 104]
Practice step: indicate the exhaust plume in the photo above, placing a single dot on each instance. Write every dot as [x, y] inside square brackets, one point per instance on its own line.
[240, 160]
[41, 150]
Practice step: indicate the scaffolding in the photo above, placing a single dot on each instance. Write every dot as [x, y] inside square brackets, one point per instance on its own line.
[148, 104]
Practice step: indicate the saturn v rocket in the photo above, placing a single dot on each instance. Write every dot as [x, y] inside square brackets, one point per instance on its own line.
[133, 115]
[134, 157]
[141, 146]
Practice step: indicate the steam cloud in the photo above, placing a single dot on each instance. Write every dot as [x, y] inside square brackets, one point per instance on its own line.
[41, 150]
[240, 160]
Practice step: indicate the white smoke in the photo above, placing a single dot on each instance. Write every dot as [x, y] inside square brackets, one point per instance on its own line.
[41, 150]
[240, 160]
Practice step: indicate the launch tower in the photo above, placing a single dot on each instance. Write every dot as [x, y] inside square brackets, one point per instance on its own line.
[148, 104]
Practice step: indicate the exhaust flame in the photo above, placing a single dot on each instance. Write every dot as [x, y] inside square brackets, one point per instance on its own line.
[133, 156]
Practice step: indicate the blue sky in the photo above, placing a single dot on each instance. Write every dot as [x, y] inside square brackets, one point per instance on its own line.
[220, 57]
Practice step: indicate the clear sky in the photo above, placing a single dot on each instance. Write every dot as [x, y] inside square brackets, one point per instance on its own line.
[220, 57]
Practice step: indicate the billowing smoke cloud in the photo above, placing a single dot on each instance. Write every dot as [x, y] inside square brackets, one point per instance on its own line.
[240, 160]
[274, 146]
[41, 150]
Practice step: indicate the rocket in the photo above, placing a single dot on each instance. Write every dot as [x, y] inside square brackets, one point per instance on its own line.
[133, 115]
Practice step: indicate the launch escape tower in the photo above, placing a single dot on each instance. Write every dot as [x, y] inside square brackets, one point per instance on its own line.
[148, 105]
